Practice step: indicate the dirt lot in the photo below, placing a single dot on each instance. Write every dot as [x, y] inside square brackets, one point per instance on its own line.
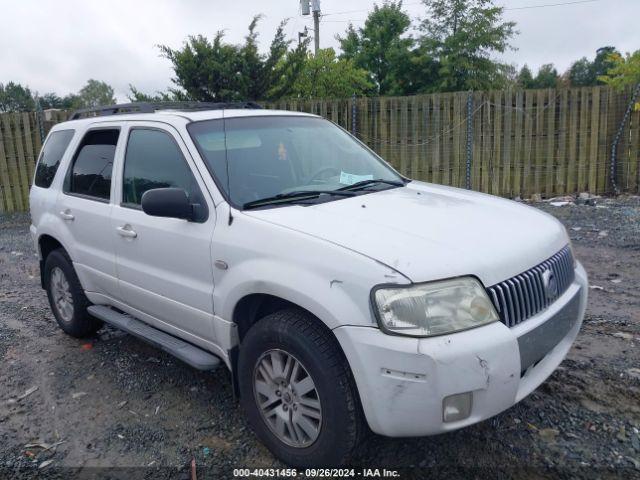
[112, 401]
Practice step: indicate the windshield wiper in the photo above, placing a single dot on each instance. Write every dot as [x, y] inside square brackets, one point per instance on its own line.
[366, 183]
[295, 196]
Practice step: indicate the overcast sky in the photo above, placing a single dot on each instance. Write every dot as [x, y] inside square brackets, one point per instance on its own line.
[56, 45]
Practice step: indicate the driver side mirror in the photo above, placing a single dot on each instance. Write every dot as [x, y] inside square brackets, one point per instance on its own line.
[167, 202]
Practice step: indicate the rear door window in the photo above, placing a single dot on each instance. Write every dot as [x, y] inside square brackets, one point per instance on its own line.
[90, 174]
[50, 157]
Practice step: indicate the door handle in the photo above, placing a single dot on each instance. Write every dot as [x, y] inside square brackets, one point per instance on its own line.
[125, 231]
[66, 215]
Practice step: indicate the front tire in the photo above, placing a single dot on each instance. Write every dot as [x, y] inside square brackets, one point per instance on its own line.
[66, 296]
[297, 391]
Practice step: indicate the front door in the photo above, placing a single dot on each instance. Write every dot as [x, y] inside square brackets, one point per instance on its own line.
[164, 264]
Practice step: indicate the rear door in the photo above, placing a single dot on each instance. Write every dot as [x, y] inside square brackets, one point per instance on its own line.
[164, 264]
[84, 209]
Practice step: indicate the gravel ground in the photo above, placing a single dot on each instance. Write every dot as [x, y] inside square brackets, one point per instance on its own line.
[113, 401]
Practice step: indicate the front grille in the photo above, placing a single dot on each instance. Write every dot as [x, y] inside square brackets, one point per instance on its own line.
[525, 295]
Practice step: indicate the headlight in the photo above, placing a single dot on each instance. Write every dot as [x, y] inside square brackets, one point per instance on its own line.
[434, 308]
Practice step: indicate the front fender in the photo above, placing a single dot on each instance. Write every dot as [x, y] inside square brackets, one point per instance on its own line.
[328, 280]
[329, 299]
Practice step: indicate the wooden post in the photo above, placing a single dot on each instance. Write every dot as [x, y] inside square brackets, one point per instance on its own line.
[458, 125]
[562, 130]
[507, 151]
[518, 144]
[528, 159]
[415, 137]
[572, 139]
[592, 185]
[584, 139]
[403, 135]
[436, 132]
[549, 173]
[21, 160]
[445, 142]
[6, 199]
[496, 157]
[14, 174]
[538, 158]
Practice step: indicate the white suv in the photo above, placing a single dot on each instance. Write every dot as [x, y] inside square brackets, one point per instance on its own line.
[339, 293]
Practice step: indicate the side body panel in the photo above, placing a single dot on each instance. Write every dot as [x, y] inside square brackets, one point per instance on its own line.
[79, 224]
[330, 281]
[165, 271]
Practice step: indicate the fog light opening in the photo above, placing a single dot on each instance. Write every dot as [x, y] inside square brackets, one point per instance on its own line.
[457, 407]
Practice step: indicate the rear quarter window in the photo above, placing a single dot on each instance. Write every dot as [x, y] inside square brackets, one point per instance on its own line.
[50, 157]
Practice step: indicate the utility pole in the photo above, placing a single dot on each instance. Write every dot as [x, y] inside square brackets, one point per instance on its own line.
[313, 6]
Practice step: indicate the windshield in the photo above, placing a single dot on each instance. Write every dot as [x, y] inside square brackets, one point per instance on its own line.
[255, 158]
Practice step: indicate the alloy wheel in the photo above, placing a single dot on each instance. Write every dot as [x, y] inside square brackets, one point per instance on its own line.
[61, 293]
[287, 398]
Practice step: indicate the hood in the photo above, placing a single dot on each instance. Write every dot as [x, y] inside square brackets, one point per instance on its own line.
[429, 232]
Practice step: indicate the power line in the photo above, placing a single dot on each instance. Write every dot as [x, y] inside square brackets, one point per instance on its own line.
[576, 2]
[363, 10]
[526, 7]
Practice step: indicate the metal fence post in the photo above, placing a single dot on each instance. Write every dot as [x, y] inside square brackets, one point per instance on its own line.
[354, 114]
[613, 171]
[469, 139]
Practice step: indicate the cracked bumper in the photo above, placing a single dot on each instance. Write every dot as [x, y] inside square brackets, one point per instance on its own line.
[403, 381]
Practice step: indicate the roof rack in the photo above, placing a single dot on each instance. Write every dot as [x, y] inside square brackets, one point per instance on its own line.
[151, 107]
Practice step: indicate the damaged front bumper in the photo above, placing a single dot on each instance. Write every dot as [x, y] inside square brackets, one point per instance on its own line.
[405, 383]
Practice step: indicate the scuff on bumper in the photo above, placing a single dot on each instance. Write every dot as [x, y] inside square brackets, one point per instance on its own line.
[403, 381]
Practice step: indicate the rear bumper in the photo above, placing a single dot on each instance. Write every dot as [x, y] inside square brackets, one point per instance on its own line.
[403, 381]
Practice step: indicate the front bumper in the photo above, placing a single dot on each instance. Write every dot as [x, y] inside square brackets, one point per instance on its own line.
[403, 381]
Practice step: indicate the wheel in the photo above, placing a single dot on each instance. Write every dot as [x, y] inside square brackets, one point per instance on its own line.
[297, 391]
[66, 297]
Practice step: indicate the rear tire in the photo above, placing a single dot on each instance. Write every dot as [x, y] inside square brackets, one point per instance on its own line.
[298, 392]
[66, 296]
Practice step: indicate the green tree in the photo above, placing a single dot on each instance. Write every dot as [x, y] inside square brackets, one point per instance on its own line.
[212, 70]
[463, 35]
[136, 95]
[50, 100]
[624, 72]
[547, 77]
[325, 76]
[383, 48]
[70, 101]
[94, 94]
[15, 98]
[525, 77]
[581, 73]
[288, 70]
[350, 43]
[508, 77]
[604, 60]
[584, 73]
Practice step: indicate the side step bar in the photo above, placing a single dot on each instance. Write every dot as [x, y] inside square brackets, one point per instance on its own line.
[188, 353]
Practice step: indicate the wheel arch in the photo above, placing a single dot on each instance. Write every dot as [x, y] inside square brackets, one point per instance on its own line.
[47, 244]
[253, 307]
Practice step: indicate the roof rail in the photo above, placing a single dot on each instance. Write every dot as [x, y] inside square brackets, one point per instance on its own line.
[151, 107]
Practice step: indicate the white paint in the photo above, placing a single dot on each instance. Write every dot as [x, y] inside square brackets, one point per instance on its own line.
[325, 258]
